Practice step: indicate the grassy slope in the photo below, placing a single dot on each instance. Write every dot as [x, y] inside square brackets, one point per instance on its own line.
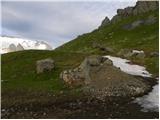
[144, 37]
[19, 68]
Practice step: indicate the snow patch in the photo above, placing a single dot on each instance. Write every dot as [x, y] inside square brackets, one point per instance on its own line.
[137, 51]
[132, 69]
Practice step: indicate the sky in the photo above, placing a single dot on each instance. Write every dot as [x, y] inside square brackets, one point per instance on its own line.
[56, 22]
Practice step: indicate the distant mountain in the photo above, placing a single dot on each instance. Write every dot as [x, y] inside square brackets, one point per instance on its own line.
[12, 44]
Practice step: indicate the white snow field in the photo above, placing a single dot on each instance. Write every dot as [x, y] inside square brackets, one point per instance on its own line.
[132, 69]
[6, 42]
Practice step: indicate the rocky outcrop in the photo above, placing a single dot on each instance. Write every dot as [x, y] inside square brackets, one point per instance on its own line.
[44, 65]
[100, 78]
[105, 22]
[140, 8]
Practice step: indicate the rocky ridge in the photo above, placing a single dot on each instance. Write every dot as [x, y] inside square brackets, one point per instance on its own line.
[140, 8]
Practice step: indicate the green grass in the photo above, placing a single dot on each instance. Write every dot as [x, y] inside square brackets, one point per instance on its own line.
[144, 37]
[20, 71]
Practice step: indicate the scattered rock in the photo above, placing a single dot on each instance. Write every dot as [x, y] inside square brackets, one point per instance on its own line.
[131, 53]
[100, 78]
[44, 65]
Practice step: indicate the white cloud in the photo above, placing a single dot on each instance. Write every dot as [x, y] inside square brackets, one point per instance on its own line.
[56, 22]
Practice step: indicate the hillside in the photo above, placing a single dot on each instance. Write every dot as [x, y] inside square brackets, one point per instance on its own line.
[117, 36]
[22, 86]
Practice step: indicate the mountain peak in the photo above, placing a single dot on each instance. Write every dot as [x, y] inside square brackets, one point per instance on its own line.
[12, 44]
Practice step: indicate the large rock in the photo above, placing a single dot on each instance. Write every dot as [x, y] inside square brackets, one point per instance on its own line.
[100, 78]
[44, 65]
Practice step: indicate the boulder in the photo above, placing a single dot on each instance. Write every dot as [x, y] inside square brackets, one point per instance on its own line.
[44, 65]
[131, 53]
[98, 77]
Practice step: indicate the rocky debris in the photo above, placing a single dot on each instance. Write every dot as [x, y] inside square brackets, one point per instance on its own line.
[131, 53]
[140, 8]
[44, 65]
[100, 78]
[105, 22]
[71, 78]
[154, 54]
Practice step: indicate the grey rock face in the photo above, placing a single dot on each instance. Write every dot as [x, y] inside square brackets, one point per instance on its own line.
[116, 19]
[140, 8]
[100, 78]
[105, 22]
[145, 6]
[44, 65]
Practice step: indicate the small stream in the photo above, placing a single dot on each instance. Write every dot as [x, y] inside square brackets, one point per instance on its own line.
[148, 102]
